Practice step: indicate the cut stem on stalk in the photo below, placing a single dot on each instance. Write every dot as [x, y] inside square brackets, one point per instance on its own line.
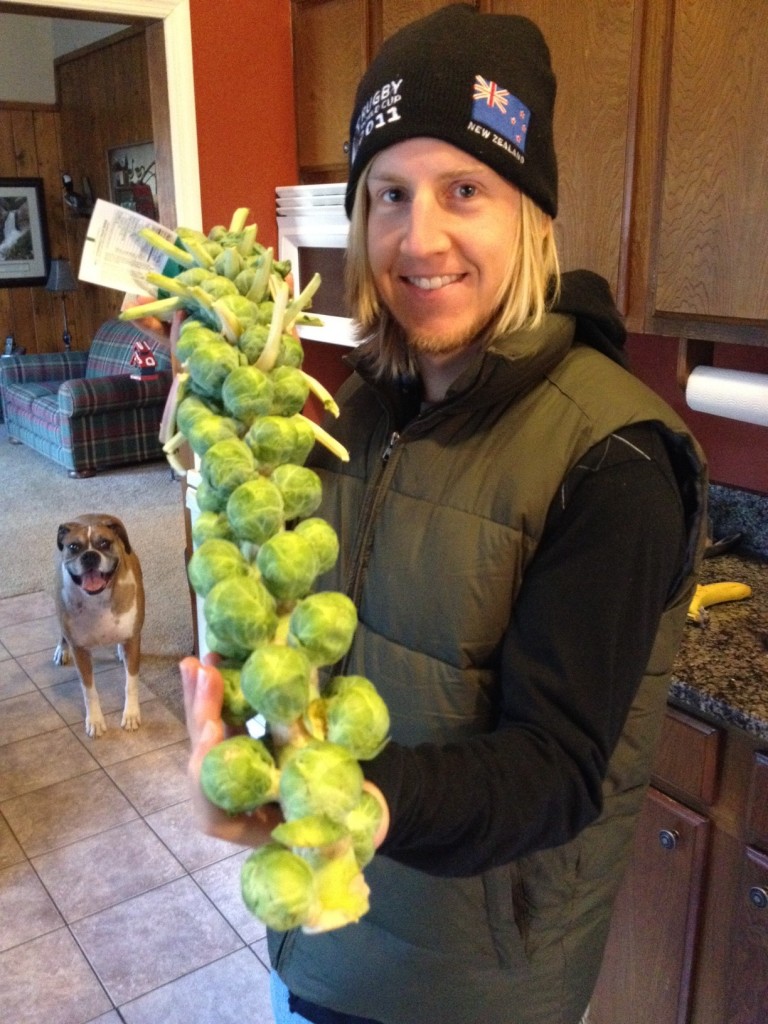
[322, 393]
[182, 256]
[303, 299]
[334, 447]
[271, 349]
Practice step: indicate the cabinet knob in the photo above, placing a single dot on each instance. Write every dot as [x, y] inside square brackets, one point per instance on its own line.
[758, 897]
[668, 838]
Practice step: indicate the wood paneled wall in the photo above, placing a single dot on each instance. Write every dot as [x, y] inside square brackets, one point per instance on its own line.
[32, 150]
[107, 96]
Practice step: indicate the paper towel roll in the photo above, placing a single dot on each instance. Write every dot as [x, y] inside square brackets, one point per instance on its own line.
[735, 394]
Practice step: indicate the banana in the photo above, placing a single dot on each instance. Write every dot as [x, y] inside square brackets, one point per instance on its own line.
[714, 593]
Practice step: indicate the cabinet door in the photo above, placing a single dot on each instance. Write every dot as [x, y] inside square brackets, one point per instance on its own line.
[396, 13]
[330, 53]
[595, 48]
[712, 256]
[648, 962]
[748, 970]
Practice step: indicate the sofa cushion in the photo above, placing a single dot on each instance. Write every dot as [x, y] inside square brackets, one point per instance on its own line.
[22, 396]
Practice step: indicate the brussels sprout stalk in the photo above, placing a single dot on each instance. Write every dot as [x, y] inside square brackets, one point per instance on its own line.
[259, 551]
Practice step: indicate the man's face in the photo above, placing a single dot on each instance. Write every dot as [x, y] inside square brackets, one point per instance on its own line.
[441, 228]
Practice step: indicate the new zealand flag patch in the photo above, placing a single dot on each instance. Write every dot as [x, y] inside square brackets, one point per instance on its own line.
[499, 110]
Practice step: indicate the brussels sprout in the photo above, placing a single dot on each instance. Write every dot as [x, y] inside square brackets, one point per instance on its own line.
[291, 390]
[216, 559]
[252, 341]
[219, 286]
[208, 428]
[320, 778]
[236, 710]
[193, 407]
[237, 306]
[208, 366]
[278, 887]
[275, 440]
[193, 276]
[362, 823]
[239, 774]
[288, 565]
[256, 510]
[227, 464]
[228, 265]
[301, 490]
[291, 353]
[225, 649]
[316, 830]
[357, 717]
[241, 611]
[341, 893]
[192, 334]
[208, 499]
[247, 393]
[265, 310]
[275, 679]
[324, 540]
[323, 625]
[208, 525]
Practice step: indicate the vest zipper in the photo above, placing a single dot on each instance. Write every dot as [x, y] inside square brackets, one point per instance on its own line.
[375, 494]
[393, 439]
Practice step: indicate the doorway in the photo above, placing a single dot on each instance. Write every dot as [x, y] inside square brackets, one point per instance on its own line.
[175, 16]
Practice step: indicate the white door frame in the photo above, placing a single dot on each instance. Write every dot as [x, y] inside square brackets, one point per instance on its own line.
[181, 96]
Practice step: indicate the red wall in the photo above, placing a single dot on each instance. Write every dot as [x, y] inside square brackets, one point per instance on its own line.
[243, 68]
[737, 452]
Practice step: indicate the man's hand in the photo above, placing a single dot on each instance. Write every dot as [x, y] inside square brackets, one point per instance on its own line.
[203, 688]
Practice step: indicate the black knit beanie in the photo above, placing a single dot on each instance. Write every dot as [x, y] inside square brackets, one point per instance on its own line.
[482, 82]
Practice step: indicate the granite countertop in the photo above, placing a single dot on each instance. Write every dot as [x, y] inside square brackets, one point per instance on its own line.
[722, 668]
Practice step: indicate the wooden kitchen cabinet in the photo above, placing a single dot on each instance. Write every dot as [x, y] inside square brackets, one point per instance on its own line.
[330, 52]
[689, 935]
[662, 161]
[748, 969]
[655, 921]
[712, 258]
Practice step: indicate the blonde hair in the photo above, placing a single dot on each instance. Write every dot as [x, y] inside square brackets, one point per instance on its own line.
[530, 286]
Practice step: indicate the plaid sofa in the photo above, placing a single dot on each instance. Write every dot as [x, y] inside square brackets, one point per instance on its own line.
[83, 409]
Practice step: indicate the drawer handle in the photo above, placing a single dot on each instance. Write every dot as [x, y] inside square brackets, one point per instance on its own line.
[758, 897]
[668, 838]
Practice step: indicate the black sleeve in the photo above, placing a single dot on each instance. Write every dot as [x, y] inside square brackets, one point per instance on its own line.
[582, 631]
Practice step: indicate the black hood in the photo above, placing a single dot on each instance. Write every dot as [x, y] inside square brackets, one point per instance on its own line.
[587, 297]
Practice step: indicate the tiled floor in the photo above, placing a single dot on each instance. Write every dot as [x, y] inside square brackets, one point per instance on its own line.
[112, 906]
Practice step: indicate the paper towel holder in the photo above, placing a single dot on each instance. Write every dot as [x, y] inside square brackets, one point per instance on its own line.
[692, 352]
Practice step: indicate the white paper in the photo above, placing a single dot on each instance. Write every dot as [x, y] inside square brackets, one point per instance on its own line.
[116, 256]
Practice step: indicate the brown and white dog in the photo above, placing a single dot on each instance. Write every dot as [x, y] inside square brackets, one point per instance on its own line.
[100, 600]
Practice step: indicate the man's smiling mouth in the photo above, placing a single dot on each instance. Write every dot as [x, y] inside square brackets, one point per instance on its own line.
[432, 283]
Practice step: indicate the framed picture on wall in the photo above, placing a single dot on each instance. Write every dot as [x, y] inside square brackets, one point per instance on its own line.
[23, 233]
[133, 178]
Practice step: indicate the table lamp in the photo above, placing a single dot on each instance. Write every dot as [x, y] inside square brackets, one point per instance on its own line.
[60, 280]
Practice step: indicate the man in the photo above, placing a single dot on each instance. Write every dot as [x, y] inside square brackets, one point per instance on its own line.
[520, 524]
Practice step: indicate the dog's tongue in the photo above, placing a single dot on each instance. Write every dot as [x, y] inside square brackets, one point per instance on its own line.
[93, 582]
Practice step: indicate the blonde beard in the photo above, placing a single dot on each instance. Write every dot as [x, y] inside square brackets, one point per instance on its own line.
[447, 344]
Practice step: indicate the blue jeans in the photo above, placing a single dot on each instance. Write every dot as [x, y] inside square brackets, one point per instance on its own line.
[279, 994]
[283, 1015]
